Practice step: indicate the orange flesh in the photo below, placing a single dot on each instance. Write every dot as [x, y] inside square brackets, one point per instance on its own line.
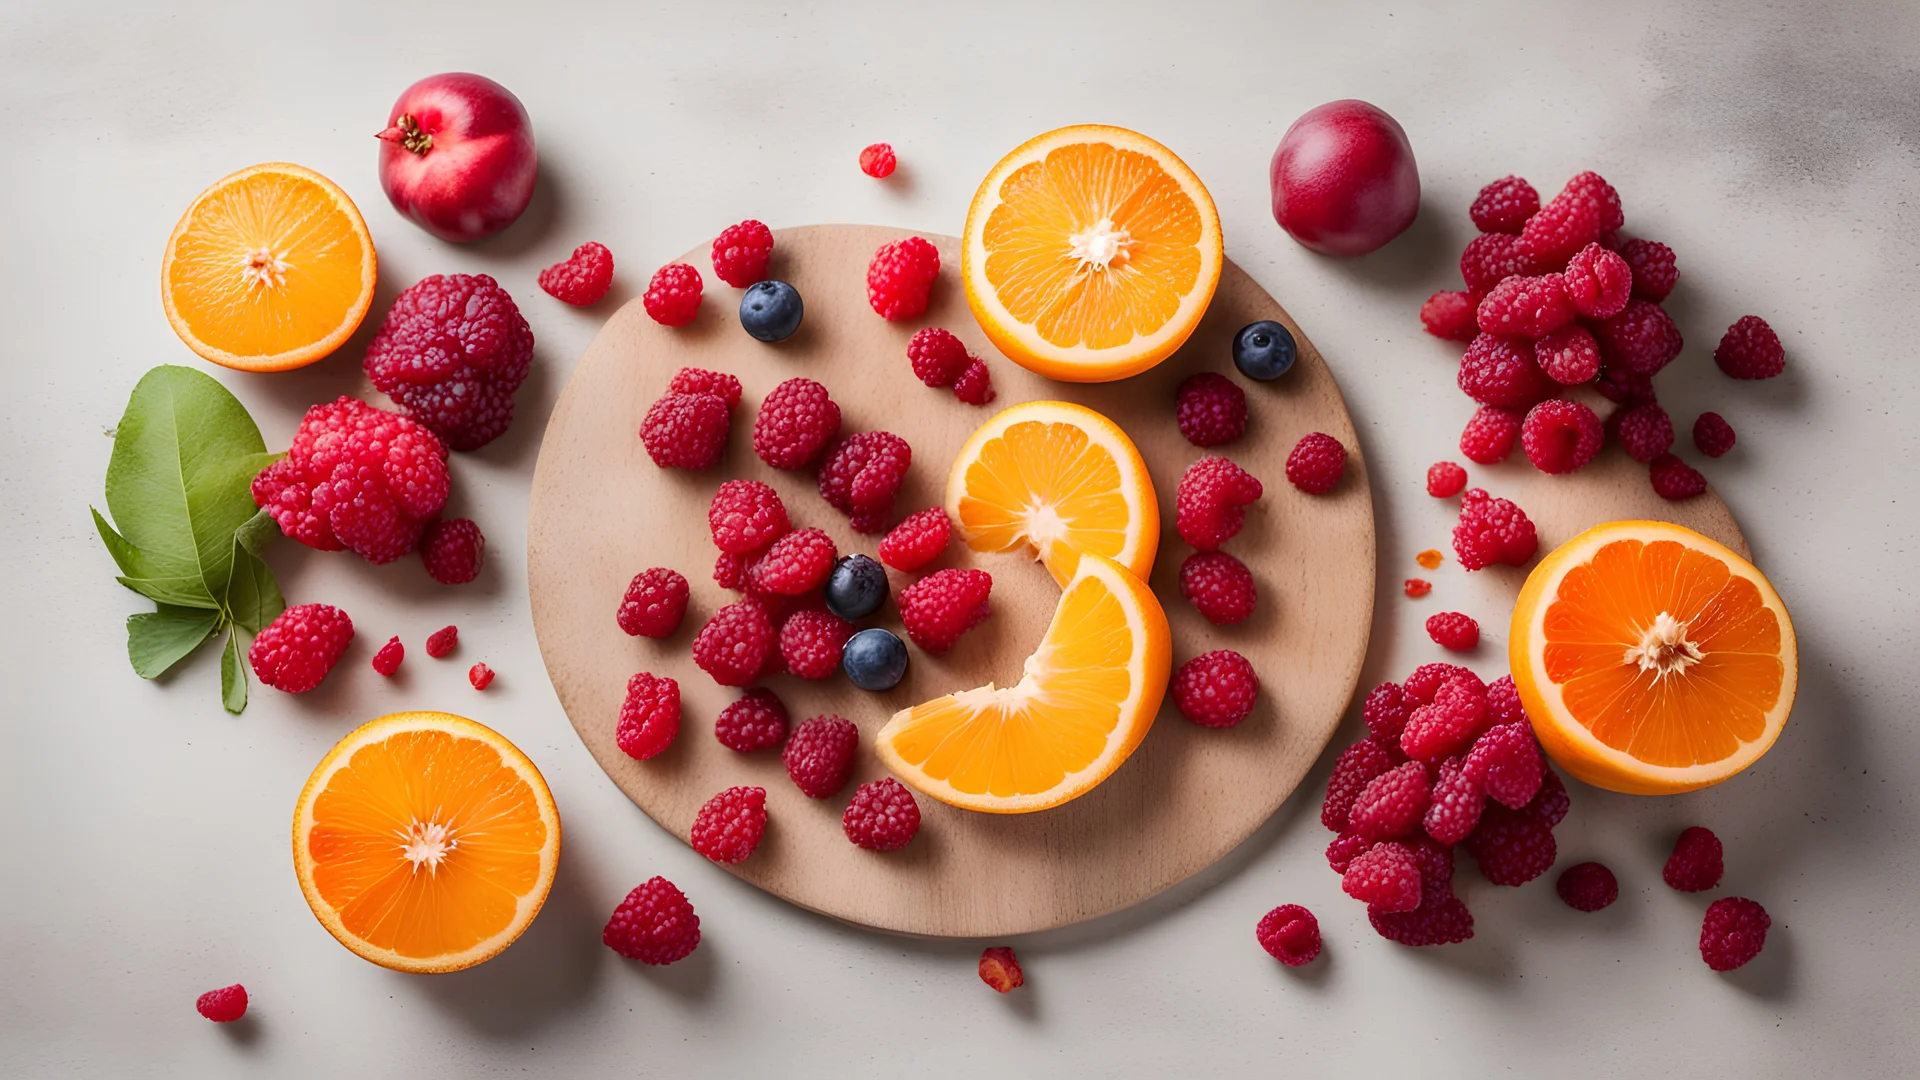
[1033, 468]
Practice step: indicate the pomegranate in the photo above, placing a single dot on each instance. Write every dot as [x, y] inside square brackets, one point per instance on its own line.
[1344, 180]
[457, 156]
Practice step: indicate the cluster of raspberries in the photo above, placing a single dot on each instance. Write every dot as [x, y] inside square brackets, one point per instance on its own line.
[451, 352]
[1556, 297]
[780, 624]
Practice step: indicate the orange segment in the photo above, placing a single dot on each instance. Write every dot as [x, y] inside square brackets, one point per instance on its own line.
[425, 842]
[1090, 253]
[1055, 479]
[1086, 698]
[271, 268]
[1651, 659]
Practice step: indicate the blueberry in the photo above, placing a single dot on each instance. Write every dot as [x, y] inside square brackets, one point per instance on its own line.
[770, 310]
[874, 659]
[856, 588]
[1262, 350]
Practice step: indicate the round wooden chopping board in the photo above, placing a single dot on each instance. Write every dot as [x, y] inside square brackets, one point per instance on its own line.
[601, 512]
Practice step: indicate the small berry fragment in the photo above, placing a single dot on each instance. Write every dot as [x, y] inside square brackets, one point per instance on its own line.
[741, 253]
[1216, 689]
[975, 384]
[1445, 479]
[654, 925]
[1561, 436]
[796, 421]
[442, 641]
[1492, 530]
[917, 541]
[1675, 479]
[757, 720]
[583, 278]
[1644, 430]
[1000, 970]
[1219, 586]
[1733, 931]
[819, 755]
[1290, 934]
[673, 296]
[1415, 588]
[1697, 862]
[1317, 463]
[1587, 886]
[480, 675]
[900, 278]
[655, 603]
[729, 826]
[1504, 206]
[937, 356]
[1712, 435]
[223, 1006]
[881, 816]
[878, 161]
[1489, 436]
[1750, 350]
[387, 660]
[452, 549]
[1429, 559]
[1453, 630]
[1450, 315]
[1210, 505]
[1210, 409]
[942, 606]
[297, 649]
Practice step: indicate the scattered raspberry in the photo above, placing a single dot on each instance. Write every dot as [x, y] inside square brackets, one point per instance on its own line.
[1429, 559]
[225, 1005]
[1641, 338]
[1424, 684]
[797, 563]
[1587, 886]
[746, 516]
[1216, 689]
[796, 422]
[1568, 356]
[1449, 315]
[1712, 435]
[686, 431]
[297, 649]
[863, 472]
[878, 161]
[387, 660]
[673, 296]
[900, 277]
[1356, 767]
[1568, 223]
[735, 643]
[693, 380]
[1317, 463]
[1560, 436]
[649, 717]
[655, 603]
[1504, 206]
[730, 825]
[1385, 878]
[819, 755]
[1448, 724]
[1511, 848]
[1552, 803]
[1492, 531]
[452, 549]
[881, 816]
[1623, 387]
[741, 253]
[1606, 200]
[975, 384]
[1455, 803]
[357, 478]
[1675, 479]
[1489, 259]
[1392, 804]
[940, 607]
[1345, 848]
[480, 675]
[1644, 430]
[1503, 702]
[1750, 350]
[917, 541]
[442, 641]
[1501, 371]
[1445, 479]
[1654, 271]
[1697, 862]
[1598, 281]
[1489, 436]
[1290, 934]
[1733, 932]
[583, 278]
[1211, 409]
[1385, 711]
[1000, 970]
[1528, 307]
[1506, 763]
[654, 924]
[1452, 630]
[1415, 588]
[1211, 500]
[451, 352]
[937, 356]
[756, 721]
[1444, 923]
[810, 642]
[1219, 586]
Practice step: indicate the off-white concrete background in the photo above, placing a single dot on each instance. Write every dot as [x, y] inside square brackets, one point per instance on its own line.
[145, 839]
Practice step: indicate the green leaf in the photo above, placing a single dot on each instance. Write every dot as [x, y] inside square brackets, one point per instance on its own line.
[233, 676]
[257, 532]
[157, 640]
[252, 597]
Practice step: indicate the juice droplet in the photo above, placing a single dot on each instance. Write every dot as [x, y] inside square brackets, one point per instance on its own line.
[1418, 587]
[1429, 558]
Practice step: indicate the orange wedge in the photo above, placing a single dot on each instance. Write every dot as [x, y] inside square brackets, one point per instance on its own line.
[1085, 700]
[269, 269]
[1652, 660]
[1055, 479]
[425, 842]
[1090, 253]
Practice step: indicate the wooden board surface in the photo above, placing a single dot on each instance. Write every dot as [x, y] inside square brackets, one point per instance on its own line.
[602, 512]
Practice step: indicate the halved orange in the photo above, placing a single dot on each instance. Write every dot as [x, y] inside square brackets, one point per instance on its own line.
[1055, 479]
[1651, 659]
[1090, 253]
[1086, 698]
[425, 842]
[271, 268]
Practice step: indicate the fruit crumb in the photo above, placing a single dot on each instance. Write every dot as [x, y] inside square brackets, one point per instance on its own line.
[1429, 558]
[1417, 587]
[1000, 970]
[387, 660]
[442, 641]
[878, 161]
[225, 1005]
[480, 675]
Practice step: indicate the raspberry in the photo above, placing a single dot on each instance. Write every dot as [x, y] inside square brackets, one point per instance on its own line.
[649, 717]
[1290, 934]
[1455, 803]
[1489, 436]
[1551, 804]
[1587, 886]
[1489, 259]
[1733, 932]
[480, 675]
[1750, 350]
[357, 478]
[881, 816]
[810, 642]
[451, 352]
[1569, 356]
[1511, 848]
[741, 253]
[1219, 586]
[654, 924]
[937, 356]
[297, 649]
[442, 641]
[1392, 804]
[796, 422]
[1445, 923]
[1528, 307]
[1712, 435]
[730, 570]
[452, 549]
[387, 660]
[1356, 767]
[1501, 371]
[900, 277]
[1504, 205]
[1492, 531]
[1426, 680]
[1503, 702]
[746, 516]
[730, 825]
[1653, 269]
[1675, 479]
[1644, 430]
[1560, 436]
[1445, 479]
[1446, 725]
[735, 643]
[1598, 281]
[1345, 848]
[1449, 315]
[819, 755]
[1000, 970]
[863, 472]
[655, 603]
[1211, 500]
[1506, 763]
[1385, 878]
[583, 278]
[1317, 463]
[1216, 689]
[940, 607]
[917, 541]
[223, 1006]
[1452, 630]
[673, 296]
[1415, 588]
[1641, 338]
[1568, 223]
[693, 380]
[686, 431]
[796, 564]
[1697, 862]
[877, 161]
[1385, 711]
[1210, 409]
[1623, 387]
[975, 384]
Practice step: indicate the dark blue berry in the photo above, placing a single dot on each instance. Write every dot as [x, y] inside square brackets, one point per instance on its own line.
[770, 310]
[874, 659]
[856, 588]
[1264, 350]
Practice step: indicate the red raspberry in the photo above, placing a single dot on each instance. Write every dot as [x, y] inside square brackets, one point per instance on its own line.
[1511, 848]
[1386, 878]
[741, 253]
[1290, 934]
[649, 717]
[1489, 259]
[796, 422]
[1598, 281]
[819, 755]
[1560, 436]
[730, 825]
[673, 296]
[863, 472]
[1492, 531]
[1551, 804]
[655, 603]
[877, 161]
[1445, 479]
[796, 564]
[358, 478]
[1528, 307]
[1219, 586]
[1569, 356]
[1568, 223]
[810, 642]
[1506, 763]
[937, 356]
[1210, 409]
[756, 721]
[1456, 803]
[1697, 862]
[900, 277]
[686, 431]
[452, 548]
[1210, 503]
[1675, 479]
[442, 641]
[940, 607]
[1623, 387]
[583, 278]
[387, 660]
[1501, 371]
[1000, 970]
[1392, 804]
[881, 816]
[1452, 630]
[1356, 767]
[1489, 436]
[225, 1005]
[654, 924]
[975, 384]
[1415, 588]
[297, 649]
[735, 643]
[1641, 338]
[1345, 848]
[1445, 923]
[1385, 711]
[746, 516]
[1216, 689]
[1712, 435]
[480, 675]
[917, 541]
[1503, 702]
[693, 380]
[1424, 684]
[1750, 350]
[1733, 932]
[1587, 886]
[1654, 272]
[451, 352]
[1644, 430]
[1605, 199]
[730, 570]
[1447, 725]
[1317, 463]
[1449, 315]
[1504, 206]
